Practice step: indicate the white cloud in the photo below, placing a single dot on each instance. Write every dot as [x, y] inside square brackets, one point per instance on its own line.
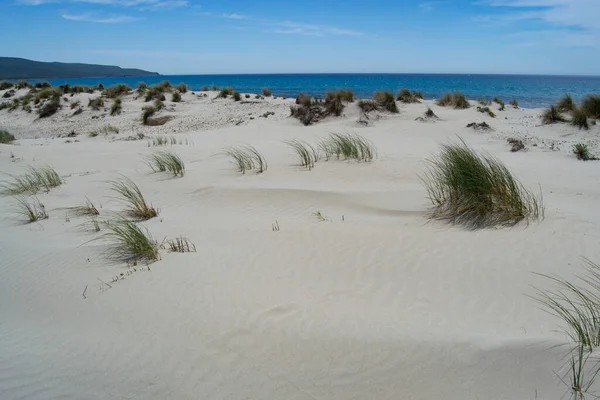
[119, 19]
[430, 5]
[143, 4]
[293, 28]
[234, 16]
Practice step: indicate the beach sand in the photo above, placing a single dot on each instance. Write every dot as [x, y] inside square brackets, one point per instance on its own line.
[372, 301]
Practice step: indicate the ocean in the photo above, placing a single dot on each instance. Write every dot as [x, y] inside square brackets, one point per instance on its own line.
[529, 90]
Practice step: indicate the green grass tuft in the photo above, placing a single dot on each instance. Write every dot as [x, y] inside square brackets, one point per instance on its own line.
[514, 103]
[50, 107]
[116, 107]
[405, 96]
[88, 209]
[247, 158]
[175, 97]
[266, 92]
[147, 112]
[565, 104]
[104, 130]
[351, 147]
[225, 92]
[130, 242]
[477, 191]
[236, 96]
[552, 115]
[182, 88]
[6, 137]
[456, 100]
[582, 152]
[31, 211]
[132, 198]
[167, 161]
[181, 245]
[36, 179]
[307, 154]
[580, 119]
[385, 101]
[367, 106]
[96, 103]
[591, 106]
[116, 91]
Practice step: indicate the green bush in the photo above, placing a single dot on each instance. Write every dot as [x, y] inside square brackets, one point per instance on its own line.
[6, 85]
[225, 92]
[385, 101]
[237, 96]
[176, 97]
[266, 92]
[334, 104]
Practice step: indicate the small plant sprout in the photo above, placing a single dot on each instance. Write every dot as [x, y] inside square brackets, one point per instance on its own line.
[181, 245]
[307, 154]
[31, 211]
[582, 152]
[275, 226]
[132, 198]
[320, 216]
[130, 242]
[88, 209]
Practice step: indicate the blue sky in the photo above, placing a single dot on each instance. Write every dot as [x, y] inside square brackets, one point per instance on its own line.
[279, 36]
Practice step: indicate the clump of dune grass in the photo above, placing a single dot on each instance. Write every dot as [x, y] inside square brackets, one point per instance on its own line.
[155, 92]
[367, 106]
[456, 100]
[130, 242]
[87, 209]
[565, 104]
[176, 97]
[31, 211]
[96, 103]
[246, 158]
[167, 161]
[104, 130]
[334, 103]
[36, 179]
[591, 106]
[116, 91]
[405, 96]
[165, 140]
[501, 104]
[6, 137]
[236, 95]
[204, 88]
[307, 154]
[116, 107]
[385, 101]
[132, 198]
[580, 118]
[350, 146]
[345, 95]
[6, 85]
[182, 88]
[582, 152]
[484, 102]
[266, 92]
[308, 114]
[551, 116]
[417, 94]
[141, 88]
[181, 245]
[514, 103]
[225, 92]
[477, 191]
[147, 112]
[49, 108]
[430, 114]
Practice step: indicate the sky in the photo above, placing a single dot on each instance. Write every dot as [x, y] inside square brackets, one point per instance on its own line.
[310, 36]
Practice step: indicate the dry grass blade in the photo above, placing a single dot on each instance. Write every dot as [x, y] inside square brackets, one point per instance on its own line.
[133, 199]
[87, 209]
[130, 243]
[181, 245]
[477, 191]
[31, 211]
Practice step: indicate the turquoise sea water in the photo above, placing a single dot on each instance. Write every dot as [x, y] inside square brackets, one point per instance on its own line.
[528, 90]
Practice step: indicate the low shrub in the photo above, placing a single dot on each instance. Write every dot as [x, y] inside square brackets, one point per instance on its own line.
[266, 92]
[204, 89]
[385, 101]
[405, 96]
[367, 106]
[456, 100]
[417, 94]
[116, 91]
[236, 96]
[345, 95]
[182, 88]
[6, 85]
[225, 92]
[141, 88]
[176, 97]
[49, 108]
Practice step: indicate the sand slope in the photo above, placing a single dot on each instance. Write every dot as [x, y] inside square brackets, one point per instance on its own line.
[375, 302]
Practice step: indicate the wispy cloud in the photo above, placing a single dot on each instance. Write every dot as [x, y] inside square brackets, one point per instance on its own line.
[430, 5]
[233, 16]
[143, 4]
[119, 19]
[294, 28]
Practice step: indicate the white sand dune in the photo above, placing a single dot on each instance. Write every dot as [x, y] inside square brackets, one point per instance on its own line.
[375, 302]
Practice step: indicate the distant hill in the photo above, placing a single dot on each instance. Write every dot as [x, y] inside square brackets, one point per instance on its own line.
[20, 68]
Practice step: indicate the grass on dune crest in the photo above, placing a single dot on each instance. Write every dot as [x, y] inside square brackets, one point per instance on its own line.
[405, 96]
[132, 198]
[307, 154]
[104, 130]
[87, 209]
[167, 161]
[116, 91]
[35, 180]
[31, 211]
[176, 97]
[386, 101]
[96, 103]
[266, 92]
[246, 158]
[565, 104]
[591, 106]
[477, 191]
[580, 118]
[130, 242]
[456, 100]
[116, 107]
[551, 116]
